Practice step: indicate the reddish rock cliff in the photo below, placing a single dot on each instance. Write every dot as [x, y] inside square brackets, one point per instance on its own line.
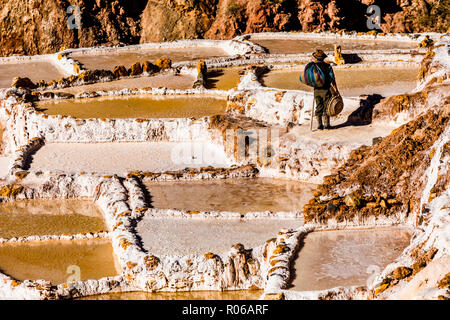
[40, 26]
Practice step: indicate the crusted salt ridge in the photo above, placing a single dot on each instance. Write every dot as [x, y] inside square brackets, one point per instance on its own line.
[440, 64]
[24, 121]
[207, 273]
[116, 196]
[232, 47]
[338, 293]
[278, 106]
[339, 35]
[200, 215]
[79, 236]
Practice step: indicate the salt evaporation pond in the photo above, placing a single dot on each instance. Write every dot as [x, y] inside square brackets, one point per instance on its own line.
[232, 195]
[292, 46]
[49, 217]
[385, 81]
[35, 70]
[171, 81]
[181, 236]
[136, 107]
[329, 259]
[191, 295]
[223, 78]
[56, 260]
[108, 60]
[123, 157]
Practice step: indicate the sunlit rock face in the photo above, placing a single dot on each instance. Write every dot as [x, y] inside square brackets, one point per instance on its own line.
[29, 29]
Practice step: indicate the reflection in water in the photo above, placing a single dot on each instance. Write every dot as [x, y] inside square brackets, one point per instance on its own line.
[352, 82]
[46, 217]
[127, 58]
[304, 46]
[223, 79]
[137, 107]
[50, 260]
[235, 195]
[194, 295]
[345, 258]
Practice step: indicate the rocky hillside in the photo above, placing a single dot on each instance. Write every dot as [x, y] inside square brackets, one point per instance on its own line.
[40, 26]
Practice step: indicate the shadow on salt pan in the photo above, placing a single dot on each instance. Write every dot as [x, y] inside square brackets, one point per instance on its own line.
[346, 257]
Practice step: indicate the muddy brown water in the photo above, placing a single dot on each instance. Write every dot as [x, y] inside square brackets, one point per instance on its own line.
[38, 70]
[59, 261]
[329, 259]
[232, 195]
[49, 217]
[352, 82]
[109, 60]
[280, 46]
[193, 295]
[136, 107]
[223, 78]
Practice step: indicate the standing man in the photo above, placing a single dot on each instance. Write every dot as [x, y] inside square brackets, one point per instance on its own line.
[323, 95]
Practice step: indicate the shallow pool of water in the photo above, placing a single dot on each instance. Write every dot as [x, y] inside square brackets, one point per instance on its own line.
[170, 81]
[352, 82]
[232, 195]
[280, 46]
[127, 58]
[136, 107]
[345, 258]
[49, 217]
[58, 260]
[36, 70]
[195, 295]
[223, 78]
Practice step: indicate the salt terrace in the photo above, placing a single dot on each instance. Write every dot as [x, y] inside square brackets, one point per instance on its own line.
[182, 169]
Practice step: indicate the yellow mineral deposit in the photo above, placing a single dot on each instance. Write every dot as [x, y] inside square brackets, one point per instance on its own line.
[338, 58]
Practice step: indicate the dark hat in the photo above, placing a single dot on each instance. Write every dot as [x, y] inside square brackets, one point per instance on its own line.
[319, 55]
